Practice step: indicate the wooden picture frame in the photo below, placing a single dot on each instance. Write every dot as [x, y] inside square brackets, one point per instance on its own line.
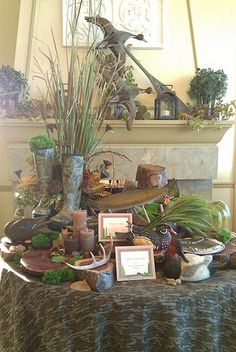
[135, 263]
[109, 224]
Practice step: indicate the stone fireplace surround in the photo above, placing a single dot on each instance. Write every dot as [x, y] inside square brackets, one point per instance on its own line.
[189, 157]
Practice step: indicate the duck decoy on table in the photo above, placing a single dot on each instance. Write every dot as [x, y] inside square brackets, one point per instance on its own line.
[18, 230]
[165, 240]
[174, 252]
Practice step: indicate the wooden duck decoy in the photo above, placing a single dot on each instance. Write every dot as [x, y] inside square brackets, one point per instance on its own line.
[24, 229]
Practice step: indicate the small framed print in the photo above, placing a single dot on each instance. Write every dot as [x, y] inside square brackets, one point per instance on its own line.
[114, 225]
[135, 263]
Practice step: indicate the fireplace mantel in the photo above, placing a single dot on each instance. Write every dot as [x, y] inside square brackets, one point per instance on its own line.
[143, 132]
[190, 157]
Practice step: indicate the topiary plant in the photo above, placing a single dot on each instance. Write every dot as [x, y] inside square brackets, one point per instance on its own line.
[41, 141]
[208, 86]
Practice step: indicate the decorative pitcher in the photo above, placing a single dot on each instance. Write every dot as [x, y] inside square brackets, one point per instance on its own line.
[72, 177]
[43, 160]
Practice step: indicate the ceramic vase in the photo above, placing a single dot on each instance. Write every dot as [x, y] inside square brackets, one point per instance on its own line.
[72, 177]
[43, 160]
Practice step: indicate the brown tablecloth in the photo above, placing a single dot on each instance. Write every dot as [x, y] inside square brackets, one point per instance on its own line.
[138, 316]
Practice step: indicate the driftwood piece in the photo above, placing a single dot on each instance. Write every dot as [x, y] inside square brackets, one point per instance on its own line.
[99, 279]
[149, 176]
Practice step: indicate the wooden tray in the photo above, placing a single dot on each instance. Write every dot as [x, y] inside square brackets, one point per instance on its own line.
[38, 261]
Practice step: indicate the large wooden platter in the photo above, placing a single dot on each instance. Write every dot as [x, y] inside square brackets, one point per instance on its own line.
[36, 262]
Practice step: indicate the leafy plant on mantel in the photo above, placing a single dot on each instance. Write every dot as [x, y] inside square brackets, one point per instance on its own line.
[198, 118]
[207, 88]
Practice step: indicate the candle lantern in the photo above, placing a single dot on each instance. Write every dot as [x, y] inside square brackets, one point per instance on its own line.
[166, 105]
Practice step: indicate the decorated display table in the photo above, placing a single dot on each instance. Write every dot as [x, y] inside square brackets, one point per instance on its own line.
[132, 316]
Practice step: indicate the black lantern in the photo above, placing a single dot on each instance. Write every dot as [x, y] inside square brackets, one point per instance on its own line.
[166, 106]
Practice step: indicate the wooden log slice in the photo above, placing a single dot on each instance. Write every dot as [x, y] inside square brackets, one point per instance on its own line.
[99, 279]
[37, 262]
[227, 257]
[149, 176]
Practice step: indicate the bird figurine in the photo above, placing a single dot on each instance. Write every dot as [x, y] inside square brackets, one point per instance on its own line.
[114, 40]
[23, 229]
[125, 96]
[112, 36]
[161, 237]
[172, 264]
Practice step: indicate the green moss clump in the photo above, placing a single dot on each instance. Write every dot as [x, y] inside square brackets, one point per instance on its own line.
[67, 274]
[40, 241]
[225, 235]
[52, 277]
[41, 141]
[55, 277]
[53, 236]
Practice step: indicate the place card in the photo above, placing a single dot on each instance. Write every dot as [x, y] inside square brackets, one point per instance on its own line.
[115, 225]
[135, 263]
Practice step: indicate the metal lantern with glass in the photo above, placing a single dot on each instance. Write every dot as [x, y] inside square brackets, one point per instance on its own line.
[166, 105]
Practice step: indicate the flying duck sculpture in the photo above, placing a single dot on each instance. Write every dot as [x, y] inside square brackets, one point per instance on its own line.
[114, 39]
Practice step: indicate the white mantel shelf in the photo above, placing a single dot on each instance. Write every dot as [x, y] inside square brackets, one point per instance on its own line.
[145, 132]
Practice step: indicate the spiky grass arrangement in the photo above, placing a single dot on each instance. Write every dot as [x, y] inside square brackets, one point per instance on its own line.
[196, 214]
[80, 104]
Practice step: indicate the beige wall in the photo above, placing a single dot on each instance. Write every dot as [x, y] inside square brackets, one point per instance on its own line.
[9, 15]
[214, 30]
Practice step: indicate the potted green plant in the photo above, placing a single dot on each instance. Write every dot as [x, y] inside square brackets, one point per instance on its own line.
[79, 98]
[208, 86]
[39, 142]
[13, 87]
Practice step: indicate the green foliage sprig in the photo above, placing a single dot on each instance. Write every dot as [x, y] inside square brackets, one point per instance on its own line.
[41, 141]
[25, 197]
[200, 116]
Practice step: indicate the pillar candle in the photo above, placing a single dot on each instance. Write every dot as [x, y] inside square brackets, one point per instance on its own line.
[71, 244]
[79, 221]
[86, 240]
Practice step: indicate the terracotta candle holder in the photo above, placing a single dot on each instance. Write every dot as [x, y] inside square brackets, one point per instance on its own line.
[71, 244]
[79, 221]
[87, 240]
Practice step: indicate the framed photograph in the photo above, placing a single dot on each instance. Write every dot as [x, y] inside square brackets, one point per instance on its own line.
[136, 17]
[135, 263]
[114, 225]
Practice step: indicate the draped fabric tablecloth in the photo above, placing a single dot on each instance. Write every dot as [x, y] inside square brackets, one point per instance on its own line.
[137, 316]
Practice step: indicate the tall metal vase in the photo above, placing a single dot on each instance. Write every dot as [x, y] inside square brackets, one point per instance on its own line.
[72, 177]
[43, 160]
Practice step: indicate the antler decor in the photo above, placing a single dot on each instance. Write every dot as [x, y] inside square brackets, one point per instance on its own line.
[95, 263]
